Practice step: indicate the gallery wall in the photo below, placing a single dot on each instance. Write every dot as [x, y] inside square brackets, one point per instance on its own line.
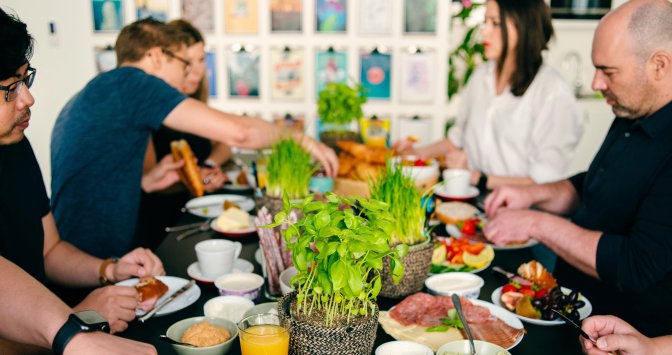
[67, 42]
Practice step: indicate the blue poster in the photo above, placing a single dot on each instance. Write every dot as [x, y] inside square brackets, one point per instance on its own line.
[211, 72]
[375, 74]
[331, 15]
[107, 15]
[330, 67]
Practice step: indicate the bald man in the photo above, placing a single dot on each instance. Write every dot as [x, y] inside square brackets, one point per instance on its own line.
[617, 248]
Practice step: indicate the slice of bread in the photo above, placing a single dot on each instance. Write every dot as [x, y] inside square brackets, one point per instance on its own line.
[455, 212]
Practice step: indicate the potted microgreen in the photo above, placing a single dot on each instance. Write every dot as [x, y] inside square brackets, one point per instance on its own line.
[338, 105]
[289, 171]
[338, 249]
[398, 190]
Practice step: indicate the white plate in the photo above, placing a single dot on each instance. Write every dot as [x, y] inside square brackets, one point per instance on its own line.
[584, 311]
[239, 265]
[501, 313]
[215, 204]
[174, 283]
[453, 231]
[440, 191]
[236, 232]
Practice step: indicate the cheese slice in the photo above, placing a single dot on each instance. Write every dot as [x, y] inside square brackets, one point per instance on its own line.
[233, 219]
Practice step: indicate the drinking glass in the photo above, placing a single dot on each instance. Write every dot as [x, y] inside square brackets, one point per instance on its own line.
[263, 334]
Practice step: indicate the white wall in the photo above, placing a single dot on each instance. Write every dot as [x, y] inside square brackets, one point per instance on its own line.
[65, 62]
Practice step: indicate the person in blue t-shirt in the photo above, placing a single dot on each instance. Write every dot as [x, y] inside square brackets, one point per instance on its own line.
[100, 137]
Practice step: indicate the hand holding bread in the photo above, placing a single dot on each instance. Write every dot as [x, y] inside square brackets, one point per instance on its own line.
[189, 173]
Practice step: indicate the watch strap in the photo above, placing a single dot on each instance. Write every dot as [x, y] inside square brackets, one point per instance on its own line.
[101, 271]
[71, 328]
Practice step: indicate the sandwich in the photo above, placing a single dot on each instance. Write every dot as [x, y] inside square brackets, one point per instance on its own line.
[189, 173]
[150, 289]
[535, 272]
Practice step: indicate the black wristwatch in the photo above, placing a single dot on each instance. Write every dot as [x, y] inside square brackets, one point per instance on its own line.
[84, 321]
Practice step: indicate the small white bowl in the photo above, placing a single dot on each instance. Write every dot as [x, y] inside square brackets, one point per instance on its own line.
[242, 284]
[402, 347]
[463, 284]
[462, 346]
[418, 172]
[285, 278]
[227, 307]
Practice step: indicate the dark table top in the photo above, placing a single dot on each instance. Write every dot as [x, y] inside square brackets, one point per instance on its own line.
[177, 256]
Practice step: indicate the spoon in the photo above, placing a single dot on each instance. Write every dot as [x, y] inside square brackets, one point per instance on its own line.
[172, 341]
[458, 308]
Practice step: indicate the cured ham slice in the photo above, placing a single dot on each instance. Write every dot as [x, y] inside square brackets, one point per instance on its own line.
[425, 310]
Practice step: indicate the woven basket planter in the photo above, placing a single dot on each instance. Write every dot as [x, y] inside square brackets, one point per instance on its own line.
[275, 205]
[416, 268]
[309, 339]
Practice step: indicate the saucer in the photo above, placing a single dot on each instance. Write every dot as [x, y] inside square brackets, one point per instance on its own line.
[441, 192]
[239, 265]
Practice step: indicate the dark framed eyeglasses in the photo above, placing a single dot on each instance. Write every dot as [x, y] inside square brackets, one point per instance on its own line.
[187, 64]
[12, 90]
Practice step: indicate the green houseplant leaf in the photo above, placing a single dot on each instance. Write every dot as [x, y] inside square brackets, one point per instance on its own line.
[340, 103]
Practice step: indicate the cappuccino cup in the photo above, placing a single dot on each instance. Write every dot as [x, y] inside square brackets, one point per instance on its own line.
[216, 256]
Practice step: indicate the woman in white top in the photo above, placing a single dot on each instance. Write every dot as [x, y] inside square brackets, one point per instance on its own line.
[519, 121]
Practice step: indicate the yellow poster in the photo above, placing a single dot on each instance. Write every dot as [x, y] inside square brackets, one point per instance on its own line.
[241, 16]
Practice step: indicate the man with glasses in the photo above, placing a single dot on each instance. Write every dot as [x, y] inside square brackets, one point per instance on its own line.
[30, 248]
[101, 135]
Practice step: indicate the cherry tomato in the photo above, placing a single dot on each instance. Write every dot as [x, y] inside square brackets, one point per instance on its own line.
[541, 293]
[509, 288]
[420, 162]
[469, 228]
[527, 291]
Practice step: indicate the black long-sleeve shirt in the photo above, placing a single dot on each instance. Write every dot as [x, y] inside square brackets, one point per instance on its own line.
[627, 195]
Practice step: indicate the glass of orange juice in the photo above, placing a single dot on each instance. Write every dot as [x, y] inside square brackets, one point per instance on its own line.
[263, 334]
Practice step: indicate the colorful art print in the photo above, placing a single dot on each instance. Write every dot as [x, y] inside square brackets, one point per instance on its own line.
[417, 80]
[375, 131]
[108, 15]
[200, 13]
[241, 16]
[287, 74]
[420, 16]
[106, 59]
[375, 16]
[331, 15]
[156, 9]
[211, 73]
[286, 15]
[293, 122]
[243, 70]
[330, 67]
[420, 127]
[375, 74]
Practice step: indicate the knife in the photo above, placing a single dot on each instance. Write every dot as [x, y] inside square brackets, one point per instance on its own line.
[156, 308]
[569, 321]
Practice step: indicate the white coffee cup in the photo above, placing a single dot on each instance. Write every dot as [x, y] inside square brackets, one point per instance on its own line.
[216, 256]
[456, 181]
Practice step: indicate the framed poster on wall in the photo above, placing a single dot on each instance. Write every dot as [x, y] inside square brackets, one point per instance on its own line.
[200, 13]
[243, 70]
[375, 74]
[331, 15]
[331, 66]
[375, 17]
[417, 79]
[108, 15]
[241, 16]
[157, 9]
[286, 15]
[420, 16]
[287, 73]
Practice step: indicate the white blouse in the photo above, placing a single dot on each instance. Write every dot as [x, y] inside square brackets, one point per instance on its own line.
[533, 135]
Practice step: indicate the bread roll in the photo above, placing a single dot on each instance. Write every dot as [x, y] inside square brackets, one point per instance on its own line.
[535, 272]
[455, 212]
[189, 173]
[150, 289]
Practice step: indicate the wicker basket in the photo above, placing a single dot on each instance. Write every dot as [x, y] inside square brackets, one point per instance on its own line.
[275, 205]
[310, 339]
[416, 267]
